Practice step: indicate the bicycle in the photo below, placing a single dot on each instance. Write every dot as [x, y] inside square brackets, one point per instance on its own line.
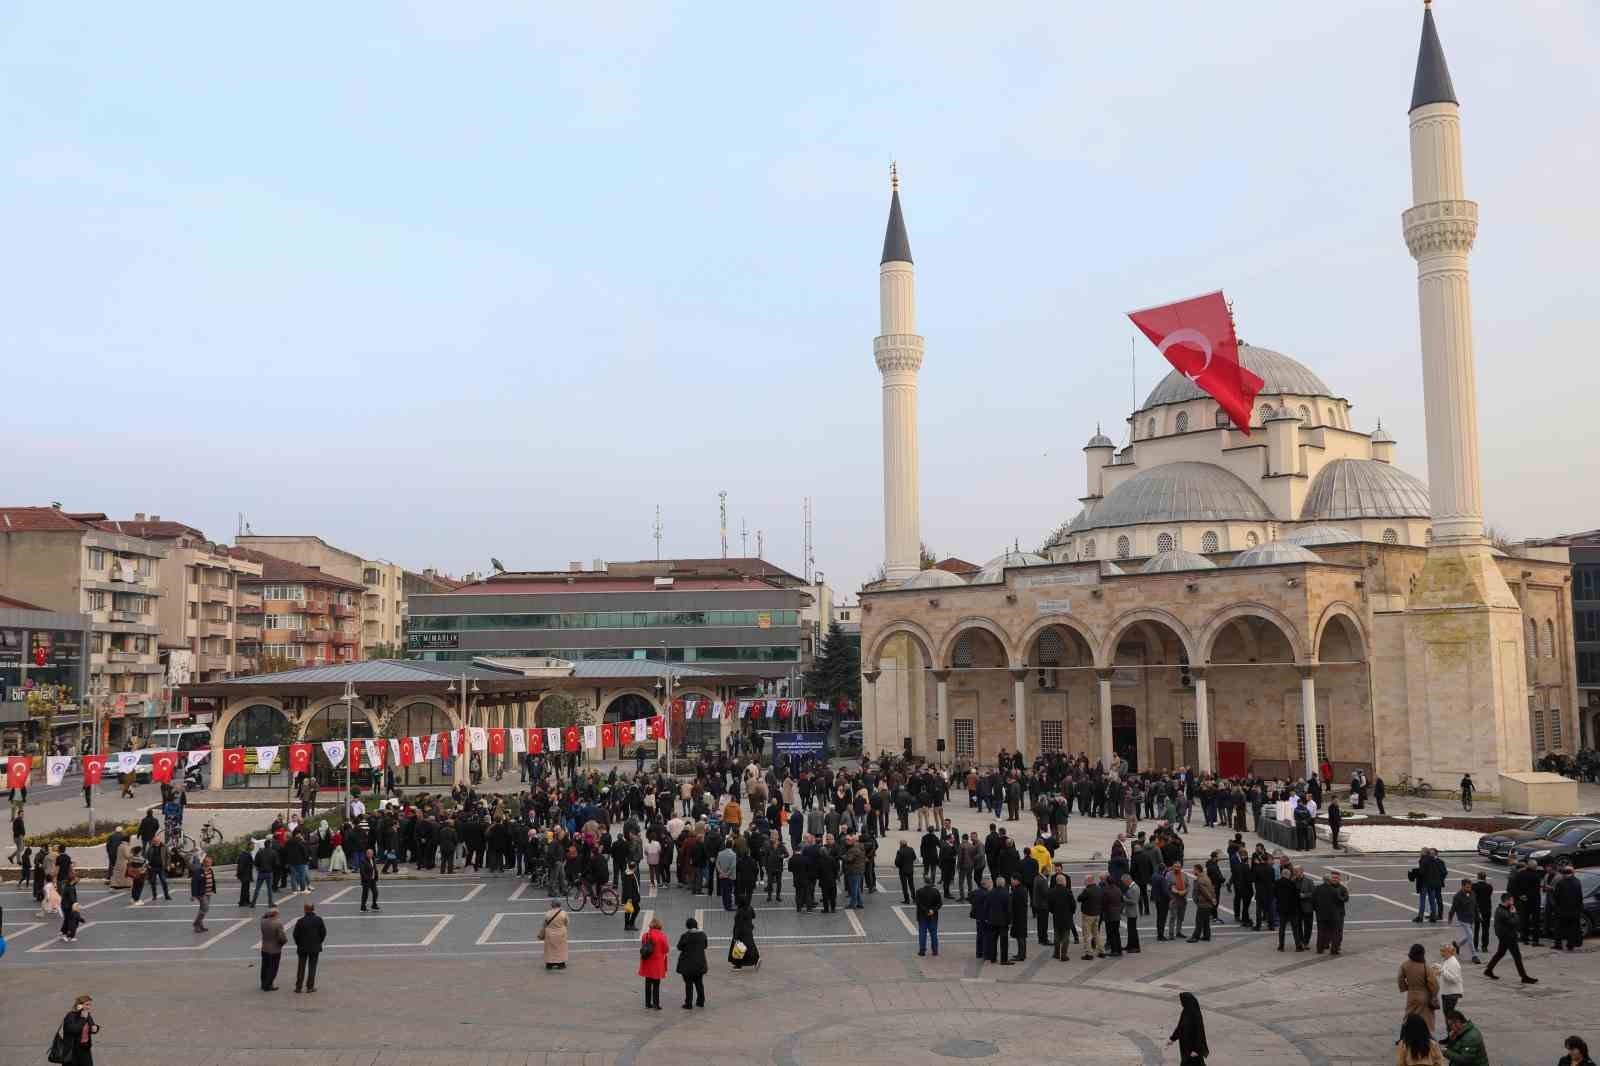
[1419, 788]
[605, 898]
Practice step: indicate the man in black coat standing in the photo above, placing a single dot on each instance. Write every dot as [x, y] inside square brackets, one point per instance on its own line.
[905, 861]
[997, 916]
[692, 965]
[1566, 899]
[1021, 903]
[1328, 901]
[309, 933]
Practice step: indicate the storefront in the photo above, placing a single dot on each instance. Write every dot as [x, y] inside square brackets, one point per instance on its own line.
[44, 674]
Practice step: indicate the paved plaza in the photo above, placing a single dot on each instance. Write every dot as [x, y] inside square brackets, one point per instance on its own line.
[450, 972]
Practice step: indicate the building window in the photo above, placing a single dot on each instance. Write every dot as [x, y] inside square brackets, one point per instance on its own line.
[966, 737]
[1222, 418]
[1538, 729]
[1191, 731]
[1305, 414]
[1049, 736]
[1322, 740]
[1391, 537]
[1164, 542]
[97, 601]
[1549, 639]
[284, 592]
[1265, 412]
[1533, 639]
[1209, 543]
[1427, 537]
[961, 657]
[1050, 648]
[1555, 728]
[1183, 422]
[1251, 540]
[1088, 548]
[97, 559]
[1123, 547]
[1150, 428]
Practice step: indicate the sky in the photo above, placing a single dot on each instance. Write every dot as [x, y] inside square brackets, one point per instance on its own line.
[440, 282]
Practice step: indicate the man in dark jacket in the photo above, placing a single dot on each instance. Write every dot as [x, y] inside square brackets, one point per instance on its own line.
[1527, 884]
[1062, 906]
[1286, 896]
[997, 916]
[1483, 897]
[1328, 900]
[1566, 899]
[245, 871]
[978, 910]
[692, 965]
[930, 855]
[929, 900]
[447, 840]
[1464, 913]
[272, 940]
[1089, 905]
[309, 933]
[1021, 903]
[202, 886]
[1505, 934]
[266, 866]
[1111, 915]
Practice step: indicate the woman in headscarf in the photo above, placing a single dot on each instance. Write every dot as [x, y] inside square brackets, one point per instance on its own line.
[744, 932]
[119, 869]
[554, 935]
[1190, 1034]
[1421, 987]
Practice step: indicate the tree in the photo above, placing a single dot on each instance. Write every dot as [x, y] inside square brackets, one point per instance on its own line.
[835, 673]
[559, 710]
[925, 556]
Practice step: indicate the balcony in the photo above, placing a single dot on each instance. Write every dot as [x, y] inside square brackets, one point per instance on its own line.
[346, 638]
[343, 610]
[213, 662]
[213, 628]
[314, 636]
[249, 601]
[215, 594]
[247, 632]
[116, 656]
[127, 616]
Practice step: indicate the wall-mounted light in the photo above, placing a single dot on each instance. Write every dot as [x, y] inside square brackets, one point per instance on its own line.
[1096, 593]
[1012, 716]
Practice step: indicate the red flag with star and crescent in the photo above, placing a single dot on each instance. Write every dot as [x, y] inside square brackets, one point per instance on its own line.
[658, 727]
[233, 760]
[569, 738]
[536, 742]
[17, 771]
[608, 736]
[408, 751]
[94, 767]
[162, 763]
[497, 741]
[299, 758]
[627, 733]
[1196, 336]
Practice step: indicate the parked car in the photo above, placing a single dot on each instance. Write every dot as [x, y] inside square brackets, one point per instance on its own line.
[1497, 846]
[182, 739]
[1577, 845]
[1590, 880]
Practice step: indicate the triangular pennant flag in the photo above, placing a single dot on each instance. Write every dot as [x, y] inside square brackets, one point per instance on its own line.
[196, 757]
[591, 736]
[266, 755]
[519, 741]
[55, 768]
[128, 761]
[334, 750]
[552, 739]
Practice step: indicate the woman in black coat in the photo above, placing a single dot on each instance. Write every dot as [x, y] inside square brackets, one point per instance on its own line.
[1190, 1033]
[78, 1029]
[744, 932]
[692, 965]
[630, 894]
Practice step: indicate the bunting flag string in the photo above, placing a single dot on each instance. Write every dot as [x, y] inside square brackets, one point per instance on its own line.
[334, 750]
[55, 768]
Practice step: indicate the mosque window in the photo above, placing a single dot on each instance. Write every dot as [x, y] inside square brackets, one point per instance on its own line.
[1183, 422]
[1305, 414]
[1123, 548]
[1391, 537]
[1549, 639]
[1538, 729]
[1266, 411]
[1088, 548]
[1533, 639]
[1222, 417]
[1251, 540]
[1555, 728]
[1209, 543]
[1164, 542]
[961, 657]
[1427, 538]
[1150, 428]
[1050, 648]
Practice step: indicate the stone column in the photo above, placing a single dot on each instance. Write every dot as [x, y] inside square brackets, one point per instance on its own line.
[942, 703]
[1202, 717]
[1019, 707]
[1308, 717]
[1106, 752]
[871, 730]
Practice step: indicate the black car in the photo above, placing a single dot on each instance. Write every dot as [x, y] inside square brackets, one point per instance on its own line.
[1497, 846]
[1590, 880]
[1577, 845]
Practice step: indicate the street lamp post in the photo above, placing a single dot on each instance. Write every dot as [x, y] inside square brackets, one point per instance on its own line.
[666, 718]
[349, 741]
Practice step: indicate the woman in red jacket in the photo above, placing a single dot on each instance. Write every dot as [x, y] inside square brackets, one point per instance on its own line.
[653, 949]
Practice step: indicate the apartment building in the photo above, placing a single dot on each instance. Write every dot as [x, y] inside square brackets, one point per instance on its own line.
[305, 617]
[382, 583]
[72, 563]
[201, 596]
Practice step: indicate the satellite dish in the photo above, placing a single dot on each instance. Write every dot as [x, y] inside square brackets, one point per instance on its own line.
[497, 564]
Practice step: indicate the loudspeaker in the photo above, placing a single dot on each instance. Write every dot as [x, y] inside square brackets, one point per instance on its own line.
[939, 744]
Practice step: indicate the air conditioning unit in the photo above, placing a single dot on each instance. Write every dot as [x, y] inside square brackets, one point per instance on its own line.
[1047, 679]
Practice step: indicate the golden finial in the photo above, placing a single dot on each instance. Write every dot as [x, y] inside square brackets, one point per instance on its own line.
[1427, 3]
[894, 178]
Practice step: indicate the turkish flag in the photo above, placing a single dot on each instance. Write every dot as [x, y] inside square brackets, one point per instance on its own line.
[783, 710]
[17, 770]
[94, 767]
[233, 760]
[536, 741]
[441, 744]
[497, 741]
[608, 736]
[299, 758]
[162, 764]
[569, 738]
[1197, 338]
[658, 727]
[354, 755]
[627, 733]
[408, 751]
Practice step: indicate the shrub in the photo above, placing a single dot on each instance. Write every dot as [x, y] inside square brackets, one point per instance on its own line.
[227, 852]
[79, 836]
[1416, 814]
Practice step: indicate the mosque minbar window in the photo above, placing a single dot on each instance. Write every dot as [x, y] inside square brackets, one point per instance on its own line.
[1164, 542]
[1088, 548]
[1124, 548]
[1209, 543]
[1391, 537]
[1183, 422]
[1251, 540]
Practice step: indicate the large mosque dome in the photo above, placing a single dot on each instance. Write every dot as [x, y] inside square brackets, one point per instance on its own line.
[1281, 374]
[1177, 492]
[1364, 488]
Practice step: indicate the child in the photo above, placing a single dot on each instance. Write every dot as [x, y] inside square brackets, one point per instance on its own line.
[51, 907]
[69, 926]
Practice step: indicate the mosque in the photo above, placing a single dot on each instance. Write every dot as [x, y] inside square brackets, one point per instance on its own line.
[1239, 603]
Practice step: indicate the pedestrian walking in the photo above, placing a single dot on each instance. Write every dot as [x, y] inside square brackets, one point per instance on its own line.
[18, 830]
[1447, 971]
[202, 886]
[1420, 986]
[631, 897]
[653, 949]
[929, 902]
[1505, 935]
[77, 1033]
[554, 935]
[245, 870]
[369, 878]
[272, 940]
[742, 950]
[692, 965]
[137, 868]
[1190, 1035]
[1464, 913]
[309, 933]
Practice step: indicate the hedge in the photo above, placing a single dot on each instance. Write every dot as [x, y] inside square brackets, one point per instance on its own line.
[79, 836]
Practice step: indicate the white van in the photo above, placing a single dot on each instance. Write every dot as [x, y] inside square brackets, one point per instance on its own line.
[181, 739]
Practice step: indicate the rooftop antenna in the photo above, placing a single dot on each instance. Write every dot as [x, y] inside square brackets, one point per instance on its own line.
[241, 525]
[722, 507]
[744, 540]
[761, 551]
[809, 560]
[658, 532]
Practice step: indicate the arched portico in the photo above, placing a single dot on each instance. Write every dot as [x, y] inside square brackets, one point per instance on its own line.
[1059, 685]
[1145, 690]
[251, 723]
[1250, 613]
[1340, 636]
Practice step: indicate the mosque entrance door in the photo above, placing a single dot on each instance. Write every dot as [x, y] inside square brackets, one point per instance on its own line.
[1125, 735]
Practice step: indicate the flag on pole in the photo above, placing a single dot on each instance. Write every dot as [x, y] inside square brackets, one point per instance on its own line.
[1196, 336]
[94, 767]
[299, 758]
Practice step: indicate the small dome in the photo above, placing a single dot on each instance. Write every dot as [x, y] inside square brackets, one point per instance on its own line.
[1177, 492]
[1319, 533]
[1176, 559]
[1274, 552]
[1381, 435]
[1364, 488]
[994, 571]
[932, 578]
[1100, 440]
[1279, 374]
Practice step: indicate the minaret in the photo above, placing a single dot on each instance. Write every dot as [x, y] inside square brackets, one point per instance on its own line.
[1465, 674]
[898, 351]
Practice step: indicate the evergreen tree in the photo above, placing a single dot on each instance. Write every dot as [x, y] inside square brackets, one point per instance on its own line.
[835, 674]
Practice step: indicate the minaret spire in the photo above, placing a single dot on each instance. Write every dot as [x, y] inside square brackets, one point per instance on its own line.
[898, 352]
[1432, 84]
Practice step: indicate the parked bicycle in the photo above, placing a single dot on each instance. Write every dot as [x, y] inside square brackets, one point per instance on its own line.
[182, 851]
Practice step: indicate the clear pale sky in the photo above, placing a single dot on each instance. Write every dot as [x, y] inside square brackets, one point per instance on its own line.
[443, 281]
